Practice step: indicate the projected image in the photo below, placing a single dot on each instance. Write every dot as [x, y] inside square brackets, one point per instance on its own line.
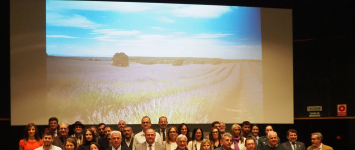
[111, 61]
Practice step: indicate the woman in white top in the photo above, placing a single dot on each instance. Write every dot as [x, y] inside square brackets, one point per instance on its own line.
[170, 141]
[197, 137]
[238, 141]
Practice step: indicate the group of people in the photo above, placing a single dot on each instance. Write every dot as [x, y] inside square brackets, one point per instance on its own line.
[102, 137]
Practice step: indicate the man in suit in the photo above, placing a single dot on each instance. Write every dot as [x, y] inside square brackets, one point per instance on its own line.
[60, 140]
[263, 140]
[226, 142]
[150, 143]
[105, 142]
[163, 123]
[292, 143]
[317, 142]
[250, 143]
[128, 137]
[115, 140]
[140, 137]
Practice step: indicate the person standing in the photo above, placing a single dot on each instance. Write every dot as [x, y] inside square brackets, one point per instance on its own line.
[31, 138]
[47, 142]
[292, 143]
[317, 144]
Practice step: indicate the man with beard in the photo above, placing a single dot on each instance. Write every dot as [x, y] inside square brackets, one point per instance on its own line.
[246, 129]
[222, 129]
[101, 129]
[140, 137]
[121, 124]
[163, 123]
[47, 142]
[317, 142]
[292, 143]
[150, 142]
[128, 137]
[105, 142]
[78, 129]
[272, 142]
[63, 135]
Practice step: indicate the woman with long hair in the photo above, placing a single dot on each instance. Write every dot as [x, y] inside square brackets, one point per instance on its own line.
[71, 144]
[31, 138]
[170, 140]
[238, 141]
[205, 145]
[89, 137]
[95, 146]
[215, 138]
[183, 129]
[197, 137]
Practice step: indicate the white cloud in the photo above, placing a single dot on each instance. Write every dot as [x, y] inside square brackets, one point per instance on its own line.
[60, 36]
[113, 35]
[166, 20]
[201, 11]
[70, 21]
[99, 6]
[157, 28]
[210, 36]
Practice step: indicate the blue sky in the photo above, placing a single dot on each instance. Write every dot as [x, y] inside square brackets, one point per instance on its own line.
[100, 29]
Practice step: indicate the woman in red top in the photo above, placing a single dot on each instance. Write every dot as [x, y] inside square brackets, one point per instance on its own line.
[31, 138]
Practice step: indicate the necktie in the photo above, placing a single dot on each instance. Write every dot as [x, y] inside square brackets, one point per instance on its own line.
[150, 147]
[163, 134]
[294, 146]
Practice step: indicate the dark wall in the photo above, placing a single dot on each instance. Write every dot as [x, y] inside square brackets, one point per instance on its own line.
[324, 61]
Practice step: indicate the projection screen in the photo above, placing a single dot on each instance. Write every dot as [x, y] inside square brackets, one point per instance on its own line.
[105, 61]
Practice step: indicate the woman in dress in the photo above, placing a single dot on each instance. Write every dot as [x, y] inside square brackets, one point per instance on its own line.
[238, 141]
[88, 139]
[197, 137]
[183, 129]
[170, 141]
[70, 144]
[215, 138]
[31, 138]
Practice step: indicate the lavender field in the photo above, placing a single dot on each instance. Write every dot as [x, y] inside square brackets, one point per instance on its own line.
[96, 91]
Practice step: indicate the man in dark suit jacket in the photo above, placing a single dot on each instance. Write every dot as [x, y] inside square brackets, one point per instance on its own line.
[150, 142]
[163, 123]
[116, 139]
[128, 137]
[292, 143]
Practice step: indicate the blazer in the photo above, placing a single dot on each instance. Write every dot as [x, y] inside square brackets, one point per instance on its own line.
[143, 146]
[324, 147]
[122, 148]
[299, 145]
[123, 143]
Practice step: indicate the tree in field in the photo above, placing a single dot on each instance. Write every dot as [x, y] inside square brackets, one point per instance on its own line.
[178, 62]
[120, 60]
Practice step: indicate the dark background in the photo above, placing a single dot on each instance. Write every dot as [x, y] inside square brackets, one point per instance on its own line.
[324, 69]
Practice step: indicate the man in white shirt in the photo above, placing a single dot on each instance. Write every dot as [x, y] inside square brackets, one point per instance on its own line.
[115, 140]
[163, 123]
[140, 137]
[317, 142]
[150, 143]
[47, 142]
